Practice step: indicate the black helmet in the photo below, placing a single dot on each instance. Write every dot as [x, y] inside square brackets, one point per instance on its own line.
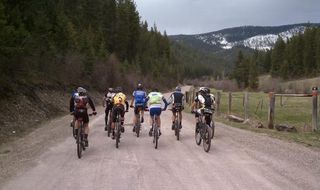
[207, 90]
[118, 89]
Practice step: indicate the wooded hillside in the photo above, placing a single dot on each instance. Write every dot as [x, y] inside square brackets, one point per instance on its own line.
[96, 43]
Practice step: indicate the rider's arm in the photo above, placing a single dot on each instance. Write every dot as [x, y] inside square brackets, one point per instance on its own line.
[170, 101]
[71, 107]
[91, 104]
[131, 102]
[104, 102]
[127, 105]
[165, 103]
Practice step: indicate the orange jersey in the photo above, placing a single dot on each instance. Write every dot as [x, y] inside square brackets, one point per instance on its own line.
[119, 98]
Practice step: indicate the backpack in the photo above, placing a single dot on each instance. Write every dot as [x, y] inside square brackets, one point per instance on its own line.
[139, 97]
[208, 100]
[81, 102]
[177, 96]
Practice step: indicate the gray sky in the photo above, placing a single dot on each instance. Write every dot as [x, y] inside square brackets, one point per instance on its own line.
[200, 16]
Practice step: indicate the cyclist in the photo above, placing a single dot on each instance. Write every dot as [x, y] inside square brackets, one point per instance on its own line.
[119, 101]
[139, 99]
[154, 100]
[108, 104]
[177, 100]
[80, 107]
[202, 100]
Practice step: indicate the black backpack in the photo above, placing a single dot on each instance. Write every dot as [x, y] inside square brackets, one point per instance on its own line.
[208, 101]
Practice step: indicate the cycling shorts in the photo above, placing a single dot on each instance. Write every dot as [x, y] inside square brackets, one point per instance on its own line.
[82, 114]
[137, 108]
[155, 111]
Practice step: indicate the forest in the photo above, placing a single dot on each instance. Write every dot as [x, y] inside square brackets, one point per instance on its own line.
[293, 58]
[92, 43]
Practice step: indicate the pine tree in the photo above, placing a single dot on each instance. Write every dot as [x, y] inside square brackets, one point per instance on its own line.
[277, 57]
[309, 61]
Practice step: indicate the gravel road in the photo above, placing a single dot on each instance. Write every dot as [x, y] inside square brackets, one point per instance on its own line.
[238, 159]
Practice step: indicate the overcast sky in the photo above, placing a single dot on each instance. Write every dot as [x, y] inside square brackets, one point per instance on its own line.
[200, 16]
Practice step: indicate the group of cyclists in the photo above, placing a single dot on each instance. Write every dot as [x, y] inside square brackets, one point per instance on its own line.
[115, 102]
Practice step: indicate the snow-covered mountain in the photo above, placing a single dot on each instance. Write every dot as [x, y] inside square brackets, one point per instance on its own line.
[253, 37]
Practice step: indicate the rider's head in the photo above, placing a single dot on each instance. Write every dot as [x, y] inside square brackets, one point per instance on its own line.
[202, 90]
[178, 89]
[118, 89]
[139, 87]
[82, 91]
[110, 90]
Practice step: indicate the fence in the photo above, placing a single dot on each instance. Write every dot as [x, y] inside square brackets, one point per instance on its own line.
[293, 108]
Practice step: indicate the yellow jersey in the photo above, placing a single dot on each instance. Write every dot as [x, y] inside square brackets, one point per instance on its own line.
[119, 98]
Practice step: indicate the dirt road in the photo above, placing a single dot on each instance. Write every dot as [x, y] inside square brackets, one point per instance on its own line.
[47, 159]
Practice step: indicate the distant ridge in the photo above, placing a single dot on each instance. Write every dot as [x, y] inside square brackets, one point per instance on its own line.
[252, 37]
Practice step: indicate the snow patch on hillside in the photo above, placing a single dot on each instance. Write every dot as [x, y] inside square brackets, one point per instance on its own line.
[261, 42]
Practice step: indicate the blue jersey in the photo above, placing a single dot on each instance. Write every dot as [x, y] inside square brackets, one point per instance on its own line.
[139, 97]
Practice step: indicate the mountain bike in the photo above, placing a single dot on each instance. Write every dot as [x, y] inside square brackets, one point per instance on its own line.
[177, 122]
[203, 132]
[80, 136]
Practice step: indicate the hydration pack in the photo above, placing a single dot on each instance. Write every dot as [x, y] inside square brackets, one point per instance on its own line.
[207, 101]
[139, 97]
[81, 102]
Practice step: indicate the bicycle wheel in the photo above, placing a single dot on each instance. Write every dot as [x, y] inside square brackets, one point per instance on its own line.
[197, 134]
[79, 143]
[118, 126]
[137, 127]
[109, 124]
[207, 139]
[213, 126]
[156, 136]
[177, 130]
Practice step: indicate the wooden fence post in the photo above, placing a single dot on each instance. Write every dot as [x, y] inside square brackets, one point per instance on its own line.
[230, 102]
[187, 97]
[271, 110]
[218, 103]
[246, 105]
[315, 109]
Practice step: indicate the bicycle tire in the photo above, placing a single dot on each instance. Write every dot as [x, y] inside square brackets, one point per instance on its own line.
[156, 137]
[207, 139]
[213, 126]
[79, 144]
[117, 134]
[137, 127]
[109, 124]
[197, 135]
[178, 127]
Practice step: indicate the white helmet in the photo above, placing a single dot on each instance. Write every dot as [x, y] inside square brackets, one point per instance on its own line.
[81, 91]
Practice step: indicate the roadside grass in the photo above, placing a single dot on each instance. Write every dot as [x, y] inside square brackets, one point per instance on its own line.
[293, 111]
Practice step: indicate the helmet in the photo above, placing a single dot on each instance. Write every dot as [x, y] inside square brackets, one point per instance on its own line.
[81, 91]
[207, 90]
[110, 89]
[204, 90]
[178, 88]
[118, 89]
[139, 87]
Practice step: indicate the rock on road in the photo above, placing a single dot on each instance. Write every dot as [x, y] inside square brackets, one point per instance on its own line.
[238, 159]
